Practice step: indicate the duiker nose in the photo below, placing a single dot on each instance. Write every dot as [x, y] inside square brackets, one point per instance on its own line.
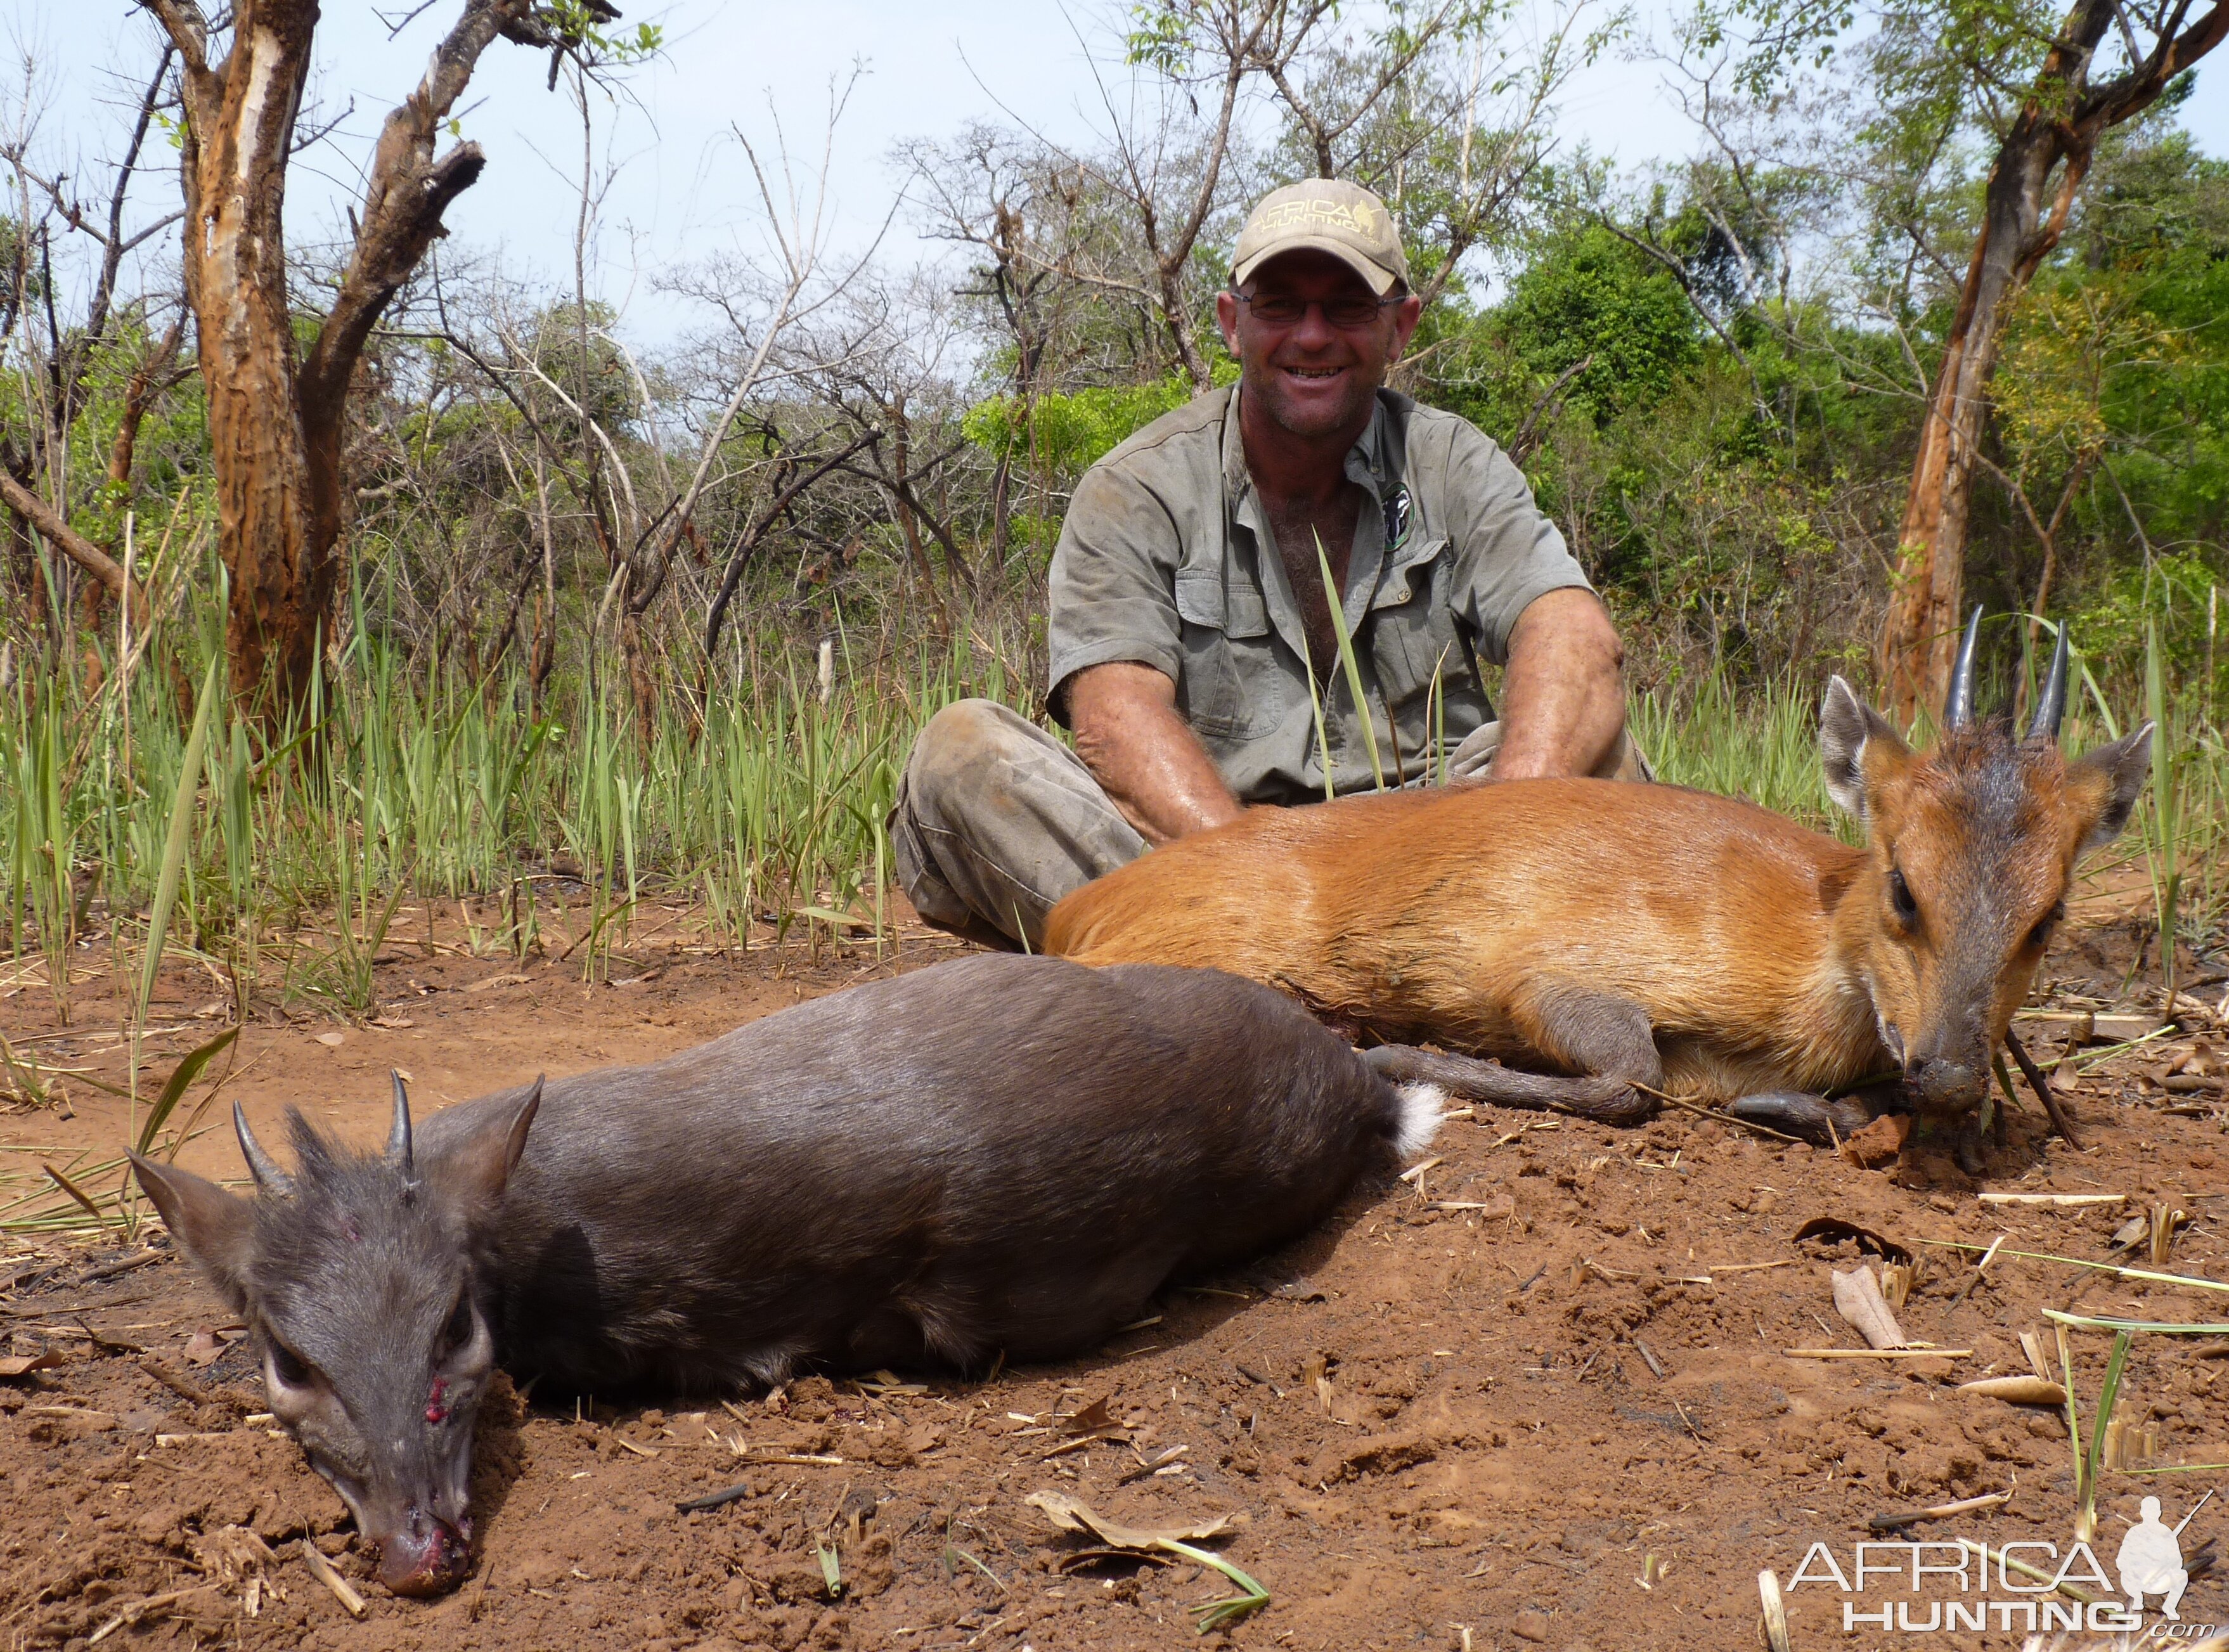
[428, 1556]
[1940, 1080]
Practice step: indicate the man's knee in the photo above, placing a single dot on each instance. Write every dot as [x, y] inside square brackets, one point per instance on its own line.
[953, 745]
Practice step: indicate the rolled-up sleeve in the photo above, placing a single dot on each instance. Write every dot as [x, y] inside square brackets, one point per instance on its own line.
[1507, 552]
[1112, 595]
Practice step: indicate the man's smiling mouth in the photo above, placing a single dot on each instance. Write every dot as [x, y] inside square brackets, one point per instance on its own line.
[1315, 372]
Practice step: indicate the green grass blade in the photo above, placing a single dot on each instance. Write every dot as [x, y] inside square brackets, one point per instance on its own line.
[179, 835]
[182, 1078]
[1338, 604]
[2126, 1328]
[1220, 1614]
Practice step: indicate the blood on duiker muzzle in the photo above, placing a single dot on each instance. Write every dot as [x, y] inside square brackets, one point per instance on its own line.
[354, 1275]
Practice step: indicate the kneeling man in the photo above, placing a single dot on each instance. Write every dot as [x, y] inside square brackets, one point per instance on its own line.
[1188, 607]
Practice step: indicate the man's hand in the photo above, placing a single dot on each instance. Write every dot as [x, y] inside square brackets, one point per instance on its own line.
[1143, 753]
[1563, 692]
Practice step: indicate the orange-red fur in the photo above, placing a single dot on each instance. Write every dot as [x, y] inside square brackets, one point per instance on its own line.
[1764, 953]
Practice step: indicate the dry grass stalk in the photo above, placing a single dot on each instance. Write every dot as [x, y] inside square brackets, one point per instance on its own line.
[322, 1570]
[1878, 1353]
[2017, 1391]
[2165, 1219]
[1774, 1626]
[1895, 1284]
[139, 1610]
[1897, 1520]
[2054, 1201]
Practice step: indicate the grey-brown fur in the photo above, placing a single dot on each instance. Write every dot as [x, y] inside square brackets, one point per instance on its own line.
[998, 1156]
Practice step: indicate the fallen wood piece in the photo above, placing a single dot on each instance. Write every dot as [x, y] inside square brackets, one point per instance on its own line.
[186, 1389]
[2054, 1201]
[322, 1570]
[1897, 1518]
[2061, 1120]
[1857, 1299]
[2018, 1390]
[714, 1498]
[1879, 1353]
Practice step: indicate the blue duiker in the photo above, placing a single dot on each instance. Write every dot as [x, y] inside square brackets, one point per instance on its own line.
[998, 1155]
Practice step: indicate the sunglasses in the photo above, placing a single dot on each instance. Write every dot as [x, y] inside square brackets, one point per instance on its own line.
[1280, 309]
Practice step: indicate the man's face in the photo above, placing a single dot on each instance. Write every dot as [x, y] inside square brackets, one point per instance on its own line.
[1314, 375]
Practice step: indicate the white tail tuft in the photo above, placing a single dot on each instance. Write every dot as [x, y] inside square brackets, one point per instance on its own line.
[1419, 1120]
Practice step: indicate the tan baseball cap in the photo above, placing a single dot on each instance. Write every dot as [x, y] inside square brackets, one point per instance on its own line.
[1325, 215]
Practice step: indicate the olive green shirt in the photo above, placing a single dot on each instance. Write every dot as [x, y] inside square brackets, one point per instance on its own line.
[1165, 559]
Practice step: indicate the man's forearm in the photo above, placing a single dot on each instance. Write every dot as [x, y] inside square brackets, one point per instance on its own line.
[1144, 755]
[1563, 692]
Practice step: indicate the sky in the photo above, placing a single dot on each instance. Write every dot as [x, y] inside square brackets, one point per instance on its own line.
[681, 189]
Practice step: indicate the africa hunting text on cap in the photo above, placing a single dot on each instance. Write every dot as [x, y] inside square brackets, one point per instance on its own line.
[1326, 214]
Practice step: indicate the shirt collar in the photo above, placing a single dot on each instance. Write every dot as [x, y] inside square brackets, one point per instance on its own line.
[1365, 460]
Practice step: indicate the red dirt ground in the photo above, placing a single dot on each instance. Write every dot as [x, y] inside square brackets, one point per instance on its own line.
[1536, 1397]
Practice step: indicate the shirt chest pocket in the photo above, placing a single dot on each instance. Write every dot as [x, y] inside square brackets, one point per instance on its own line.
[1412, 632]
[1230, 685]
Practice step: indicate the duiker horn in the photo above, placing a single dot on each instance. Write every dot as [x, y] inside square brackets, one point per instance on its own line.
[2051, 707]
[1958, 708]
[398, 1137]
[261, 1164]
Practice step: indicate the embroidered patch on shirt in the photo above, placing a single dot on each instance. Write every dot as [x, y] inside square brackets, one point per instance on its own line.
[1396, 518]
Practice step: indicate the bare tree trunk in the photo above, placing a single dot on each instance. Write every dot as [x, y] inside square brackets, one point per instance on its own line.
[275, 425]
[2057, 132]
[902, 500]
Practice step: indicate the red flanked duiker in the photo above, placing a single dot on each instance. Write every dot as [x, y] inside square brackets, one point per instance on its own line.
[1652, 938]
[997, 1156]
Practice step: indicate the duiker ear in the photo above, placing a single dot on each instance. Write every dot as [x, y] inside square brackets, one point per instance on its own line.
[1847, 726]
[2106, 783]
[216, 1229]
[478, 1166]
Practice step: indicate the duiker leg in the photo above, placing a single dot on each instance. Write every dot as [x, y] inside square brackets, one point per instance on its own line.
[1604, 1038]
[1812, 1118]
[1605, 1099]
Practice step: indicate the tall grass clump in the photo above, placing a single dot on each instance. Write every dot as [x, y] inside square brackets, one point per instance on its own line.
[206, 835]
[280, 859]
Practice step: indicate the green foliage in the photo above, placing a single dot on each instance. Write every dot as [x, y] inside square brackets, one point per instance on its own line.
[1065, 432]
[582, 27]
[1586, 296]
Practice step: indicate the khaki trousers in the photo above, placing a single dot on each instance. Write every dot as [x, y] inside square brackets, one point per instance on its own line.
[996, 820]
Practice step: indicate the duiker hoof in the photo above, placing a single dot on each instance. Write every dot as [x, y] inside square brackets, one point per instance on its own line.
[1798, 1112]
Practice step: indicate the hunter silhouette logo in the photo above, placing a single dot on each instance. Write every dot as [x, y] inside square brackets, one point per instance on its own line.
[2151, 1560]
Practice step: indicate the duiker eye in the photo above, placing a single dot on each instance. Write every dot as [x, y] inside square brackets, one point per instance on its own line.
[1899, 896]
[458, 1330]
[290, 1367]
